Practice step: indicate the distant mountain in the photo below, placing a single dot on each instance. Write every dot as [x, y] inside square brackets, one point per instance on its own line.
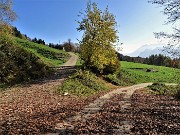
[147, 50]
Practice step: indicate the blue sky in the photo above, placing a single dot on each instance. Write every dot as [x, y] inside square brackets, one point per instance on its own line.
[54, 20]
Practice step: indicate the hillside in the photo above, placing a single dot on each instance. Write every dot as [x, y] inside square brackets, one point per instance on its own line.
[22, 60]
[50, 56]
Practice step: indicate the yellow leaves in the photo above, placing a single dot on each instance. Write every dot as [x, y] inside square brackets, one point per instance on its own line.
[99, 37]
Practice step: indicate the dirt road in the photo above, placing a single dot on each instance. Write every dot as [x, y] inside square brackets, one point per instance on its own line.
[92, 108]
[72, 61]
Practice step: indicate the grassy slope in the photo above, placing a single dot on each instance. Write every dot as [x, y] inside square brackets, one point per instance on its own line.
[83, 83]
[164, 74]
[50, 56]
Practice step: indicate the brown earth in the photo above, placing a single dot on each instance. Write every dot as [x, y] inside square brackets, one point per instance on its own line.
[36, 108]
[147, 115]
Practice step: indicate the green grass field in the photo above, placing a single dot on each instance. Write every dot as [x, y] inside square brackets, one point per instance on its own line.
[50, 56]
[138, 73]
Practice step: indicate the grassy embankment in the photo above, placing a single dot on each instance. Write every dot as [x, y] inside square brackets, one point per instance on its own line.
[50, 56]
[83, 84]
[22, 60]
[164, 89]
[79, 61]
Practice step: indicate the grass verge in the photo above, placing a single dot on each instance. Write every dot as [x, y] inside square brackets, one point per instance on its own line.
[83, 84]
[162, 89]
[79, 61]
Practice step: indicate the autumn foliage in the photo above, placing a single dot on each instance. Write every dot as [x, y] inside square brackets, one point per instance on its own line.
[98, 42]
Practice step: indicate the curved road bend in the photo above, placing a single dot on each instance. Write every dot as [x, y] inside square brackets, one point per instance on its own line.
[72, 61]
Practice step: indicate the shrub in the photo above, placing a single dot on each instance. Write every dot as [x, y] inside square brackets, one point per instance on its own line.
[159, 88]
[17, 64]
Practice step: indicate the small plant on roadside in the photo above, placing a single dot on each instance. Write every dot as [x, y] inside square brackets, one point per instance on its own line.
[158, 88]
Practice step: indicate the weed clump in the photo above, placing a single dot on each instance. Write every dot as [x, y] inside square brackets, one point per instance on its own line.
[17, 64]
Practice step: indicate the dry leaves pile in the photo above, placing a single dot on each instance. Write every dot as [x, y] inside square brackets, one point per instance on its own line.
[105, 122]
[153, 114]
[36, 113]
[148, 114]
[37, 108]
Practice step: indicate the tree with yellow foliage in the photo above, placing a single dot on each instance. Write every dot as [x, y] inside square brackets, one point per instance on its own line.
[98, 41]
[7, 15]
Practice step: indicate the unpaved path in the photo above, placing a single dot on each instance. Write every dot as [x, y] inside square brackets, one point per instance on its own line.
[47, 84]
[34, 105]
[63, 128]
[72, 61]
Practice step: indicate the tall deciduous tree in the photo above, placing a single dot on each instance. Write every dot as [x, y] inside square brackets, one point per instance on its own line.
[99, 38]
[172, 11]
